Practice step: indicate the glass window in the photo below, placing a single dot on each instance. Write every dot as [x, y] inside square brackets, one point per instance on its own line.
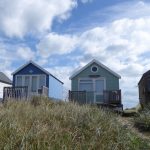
[27, 81]
[19, 81]
[99, 86]
[42, 81]
[86, 87]
[34, 84]
[94, 68]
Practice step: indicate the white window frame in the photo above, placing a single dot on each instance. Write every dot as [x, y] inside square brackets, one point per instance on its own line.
[94, 82]
[30, 78]
[96, 67]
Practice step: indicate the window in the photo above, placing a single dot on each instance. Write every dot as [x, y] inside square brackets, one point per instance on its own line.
[27, 81]
[93, 85]
[86, 85]
[19, 81]
[94, 69]
[34, 84]
[42, 81]
[99, 86]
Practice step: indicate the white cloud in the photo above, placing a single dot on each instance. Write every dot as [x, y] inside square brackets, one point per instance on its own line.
[56, 44]
[25, 53]
[21, 17]
[119, 45]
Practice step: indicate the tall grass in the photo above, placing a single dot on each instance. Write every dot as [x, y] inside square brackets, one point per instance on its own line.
[44, 124]
[142, 119]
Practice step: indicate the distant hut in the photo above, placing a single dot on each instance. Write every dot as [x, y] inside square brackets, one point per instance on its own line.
[144, 88]
[4, 81]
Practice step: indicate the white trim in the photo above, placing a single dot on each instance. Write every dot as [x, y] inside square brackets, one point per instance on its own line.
[96, 67]
[100, 64]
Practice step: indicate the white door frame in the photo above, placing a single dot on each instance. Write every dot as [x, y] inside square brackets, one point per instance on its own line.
[98, 93]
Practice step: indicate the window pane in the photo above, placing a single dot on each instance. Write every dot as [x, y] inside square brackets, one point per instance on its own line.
[34, 84]
[19, 81]
[42, 81]
[99, 86]
[27, 81]
[86, 86]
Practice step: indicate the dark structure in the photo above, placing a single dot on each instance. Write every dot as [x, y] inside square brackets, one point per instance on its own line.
[144, 88]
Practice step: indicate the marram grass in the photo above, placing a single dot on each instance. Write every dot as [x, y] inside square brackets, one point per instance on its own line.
[44, 124]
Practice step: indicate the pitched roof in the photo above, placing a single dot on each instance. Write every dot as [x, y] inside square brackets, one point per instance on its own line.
[146, 74]
[31, 62]
[97, 62]
[4, 78]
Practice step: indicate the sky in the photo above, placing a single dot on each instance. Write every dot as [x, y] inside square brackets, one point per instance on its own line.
[63, 35]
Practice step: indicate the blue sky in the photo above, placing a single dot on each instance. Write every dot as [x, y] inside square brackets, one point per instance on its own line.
[62, 35]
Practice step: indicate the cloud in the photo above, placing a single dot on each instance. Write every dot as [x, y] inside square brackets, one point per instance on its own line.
[122, 45]
[25, 53]
[21, 17]
[56, 44]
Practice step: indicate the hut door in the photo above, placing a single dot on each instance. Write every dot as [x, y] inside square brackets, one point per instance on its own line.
[34, 85]
[99, 87]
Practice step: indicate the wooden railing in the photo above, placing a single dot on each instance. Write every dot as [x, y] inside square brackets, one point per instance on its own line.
[109, 97]
[77, 96]
[17, 93]
[112, 97]
[45, 91]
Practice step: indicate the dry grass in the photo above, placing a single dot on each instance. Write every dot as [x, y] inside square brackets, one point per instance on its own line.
[44, 124]
[142, 119]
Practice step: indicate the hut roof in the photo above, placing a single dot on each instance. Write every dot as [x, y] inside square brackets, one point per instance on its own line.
[146, 74]
[4, 78]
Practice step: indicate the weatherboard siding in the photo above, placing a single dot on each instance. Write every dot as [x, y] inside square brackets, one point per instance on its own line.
[112, 82]
[2, 85]
[55, 88]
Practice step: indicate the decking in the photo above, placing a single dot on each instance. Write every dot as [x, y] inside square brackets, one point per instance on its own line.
[109, 97]
[21, 93]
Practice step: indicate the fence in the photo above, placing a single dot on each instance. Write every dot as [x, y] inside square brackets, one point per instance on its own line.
[17, 93]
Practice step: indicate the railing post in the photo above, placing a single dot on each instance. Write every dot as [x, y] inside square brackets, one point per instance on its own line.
[69, 95]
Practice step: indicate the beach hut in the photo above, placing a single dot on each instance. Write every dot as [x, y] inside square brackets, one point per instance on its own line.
[95, 84]
[32, 80]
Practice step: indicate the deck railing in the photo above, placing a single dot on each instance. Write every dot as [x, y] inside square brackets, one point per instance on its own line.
[45, 91]
[77, 96]
[83, 97]
[112, 97]
[22, 93]
[17, 93]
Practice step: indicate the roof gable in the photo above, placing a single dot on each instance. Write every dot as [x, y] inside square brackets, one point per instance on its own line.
[146, 74]
[34, 64]
[4, 78]
[37, 66]
[99, 64]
